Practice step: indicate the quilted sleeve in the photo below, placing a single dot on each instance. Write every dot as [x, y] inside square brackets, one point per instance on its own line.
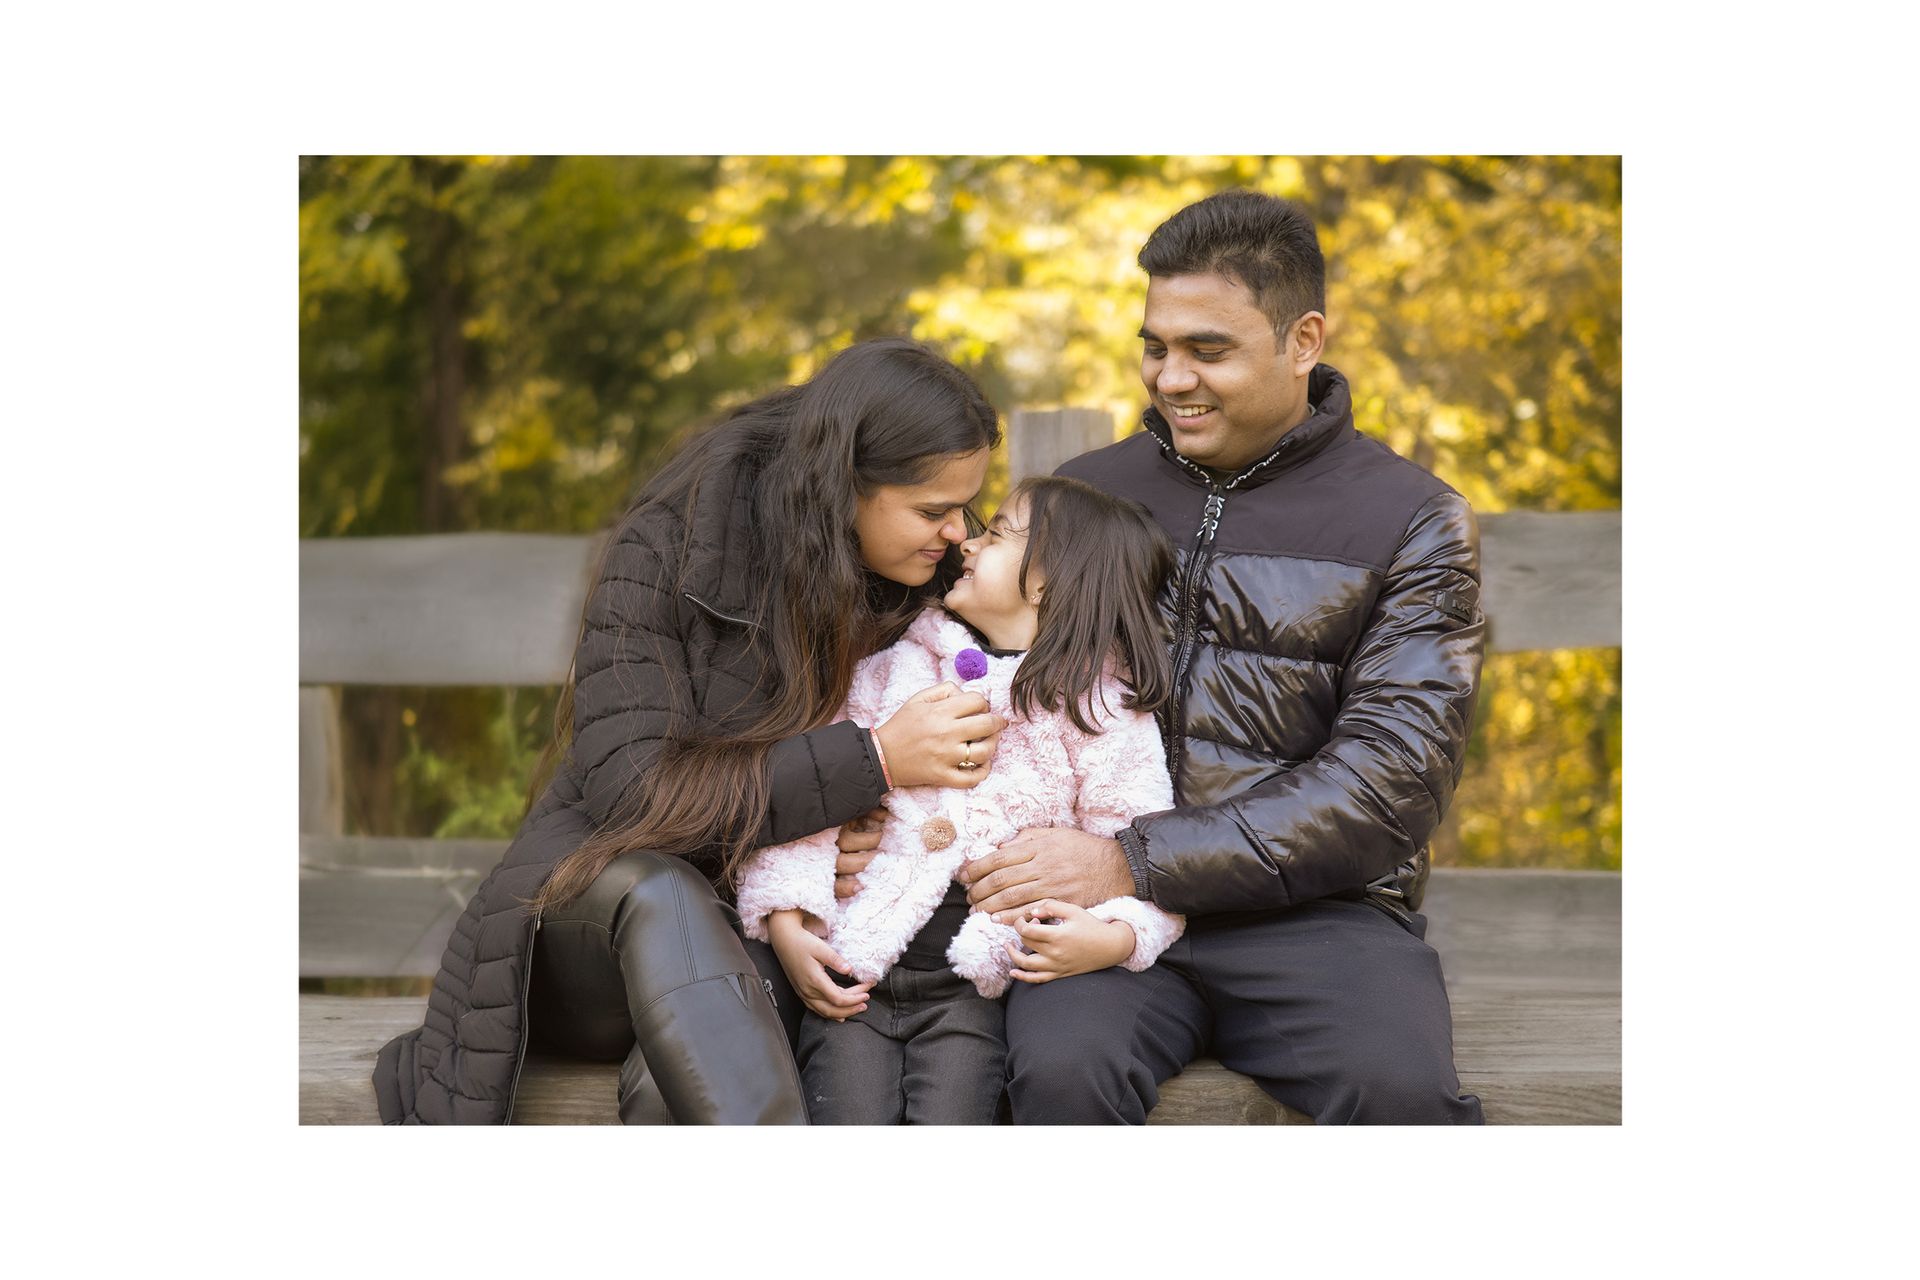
[630, 677]
[819, 780]
[632, 690]
[1371, 797]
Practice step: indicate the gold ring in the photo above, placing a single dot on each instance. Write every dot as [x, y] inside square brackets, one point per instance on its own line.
[966, 759]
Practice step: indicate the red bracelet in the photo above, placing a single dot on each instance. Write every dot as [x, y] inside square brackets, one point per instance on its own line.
[880, 754]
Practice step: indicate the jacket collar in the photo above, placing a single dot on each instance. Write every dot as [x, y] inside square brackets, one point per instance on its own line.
[1331, 420]
[944, 635]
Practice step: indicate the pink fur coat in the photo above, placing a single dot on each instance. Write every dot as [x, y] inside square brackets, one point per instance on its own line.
[1046, 773]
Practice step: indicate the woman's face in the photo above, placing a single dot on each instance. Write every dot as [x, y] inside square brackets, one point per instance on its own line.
[988, 593]
[904, 529]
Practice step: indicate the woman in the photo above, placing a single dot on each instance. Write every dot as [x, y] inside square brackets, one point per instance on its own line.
[775, 551]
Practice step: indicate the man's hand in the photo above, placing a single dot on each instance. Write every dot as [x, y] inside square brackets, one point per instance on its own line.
[1047, 862]
[806, 958]
[856, 842]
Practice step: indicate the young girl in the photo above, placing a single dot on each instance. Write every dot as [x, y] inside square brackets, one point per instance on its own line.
[1054, 622]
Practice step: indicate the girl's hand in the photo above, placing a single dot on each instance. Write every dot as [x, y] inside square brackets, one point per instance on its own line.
[806, 958]
[934, 732]
[1076, 942]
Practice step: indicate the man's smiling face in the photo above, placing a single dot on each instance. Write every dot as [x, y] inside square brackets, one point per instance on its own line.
[1217, 372]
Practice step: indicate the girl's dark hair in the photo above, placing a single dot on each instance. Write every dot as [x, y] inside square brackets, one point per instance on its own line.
[884, 412]
[1104, 560]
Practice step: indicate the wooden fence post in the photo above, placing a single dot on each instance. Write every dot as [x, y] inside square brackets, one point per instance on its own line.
[1038, 440]
[323, 801]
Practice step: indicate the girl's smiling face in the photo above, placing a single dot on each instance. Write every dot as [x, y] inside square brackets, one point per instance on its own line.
[988, 594]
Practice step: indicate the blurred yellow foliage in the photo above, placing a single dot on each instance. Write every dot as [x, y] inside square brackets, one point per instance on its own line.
[574, 313]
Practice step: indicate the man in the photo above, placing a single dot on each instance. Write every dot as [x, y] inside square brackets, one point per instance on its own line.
[1326, 644]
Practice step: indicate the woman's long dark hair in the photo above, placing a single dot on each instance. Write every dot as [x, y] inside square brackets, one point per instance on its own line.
[1104, 560]
[884, 412]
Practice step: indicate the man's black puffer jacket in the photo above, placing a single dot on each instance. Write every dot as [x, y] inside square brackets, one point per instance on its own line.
[649, 635]
[1327, 638]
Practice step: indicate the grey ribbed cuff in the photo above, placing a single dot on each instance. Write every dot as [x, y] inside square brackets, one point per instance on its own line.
[1134, 845]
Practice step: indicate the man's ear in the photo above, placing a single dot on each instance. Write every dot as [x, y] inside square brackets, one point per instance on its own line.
[1305, 340]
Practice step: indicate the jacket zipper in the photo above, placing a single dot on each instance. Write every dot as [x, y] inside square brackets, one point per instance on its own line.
[793, 1067]
[1382, 893]
[1188, 638]
[520, 1053]
[1189, 623]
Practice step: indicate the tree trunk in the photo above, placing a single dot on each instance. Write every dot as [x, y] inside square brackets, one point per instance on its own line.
[446, 384]
[439, 279]
[371, 718]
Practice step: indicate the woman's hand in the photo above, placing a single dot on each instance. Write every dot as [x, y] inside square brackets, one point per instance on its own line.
[1077, 941]
[806, 958]
[939, 728]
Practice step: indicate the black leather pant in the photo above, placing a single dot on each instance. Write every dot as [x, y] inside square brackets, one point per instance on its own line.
[649, 963]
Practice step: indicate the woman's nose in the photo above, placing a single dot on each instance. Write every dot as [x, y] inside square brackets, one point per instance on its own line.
[955, 530]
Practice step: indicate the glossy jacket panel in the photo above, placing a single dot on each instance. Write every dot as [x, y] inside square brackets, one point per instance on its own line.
[1272, 708]
[1332, 654]
[1284, 605]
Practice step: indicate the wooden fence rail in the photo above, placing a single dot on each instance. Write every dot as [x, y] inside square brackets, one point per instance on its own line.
[501, 608]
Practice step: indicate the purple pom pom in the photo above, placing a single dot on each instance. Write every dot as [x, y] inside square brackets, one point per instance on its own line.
[970, 663]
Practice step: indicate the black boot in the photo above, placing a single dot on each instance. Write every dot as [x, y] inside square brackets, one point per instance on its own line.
[708, 1045]
[711, 1052]
[640, 1100]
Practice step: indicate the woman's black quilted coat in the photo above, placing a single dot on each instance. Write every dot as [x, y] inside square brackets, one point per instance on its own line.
[649, 633]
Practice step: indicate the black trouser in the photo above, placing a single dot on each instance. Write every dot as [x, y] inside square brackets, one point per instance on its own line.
[649, 963]
[929, 1049]
[1334, 1008]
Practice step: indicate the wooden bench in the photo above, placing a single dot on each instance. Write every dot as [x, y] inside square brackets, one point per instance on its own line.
[1532, 958]
[1532, 961]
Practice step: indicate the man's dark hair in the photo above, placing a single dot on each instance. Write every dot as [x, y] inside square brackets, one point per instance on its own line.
[1265, 242]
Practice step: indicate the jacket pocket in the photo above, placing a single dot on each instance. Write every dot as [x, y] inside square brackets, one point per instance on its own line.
[718, 616]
